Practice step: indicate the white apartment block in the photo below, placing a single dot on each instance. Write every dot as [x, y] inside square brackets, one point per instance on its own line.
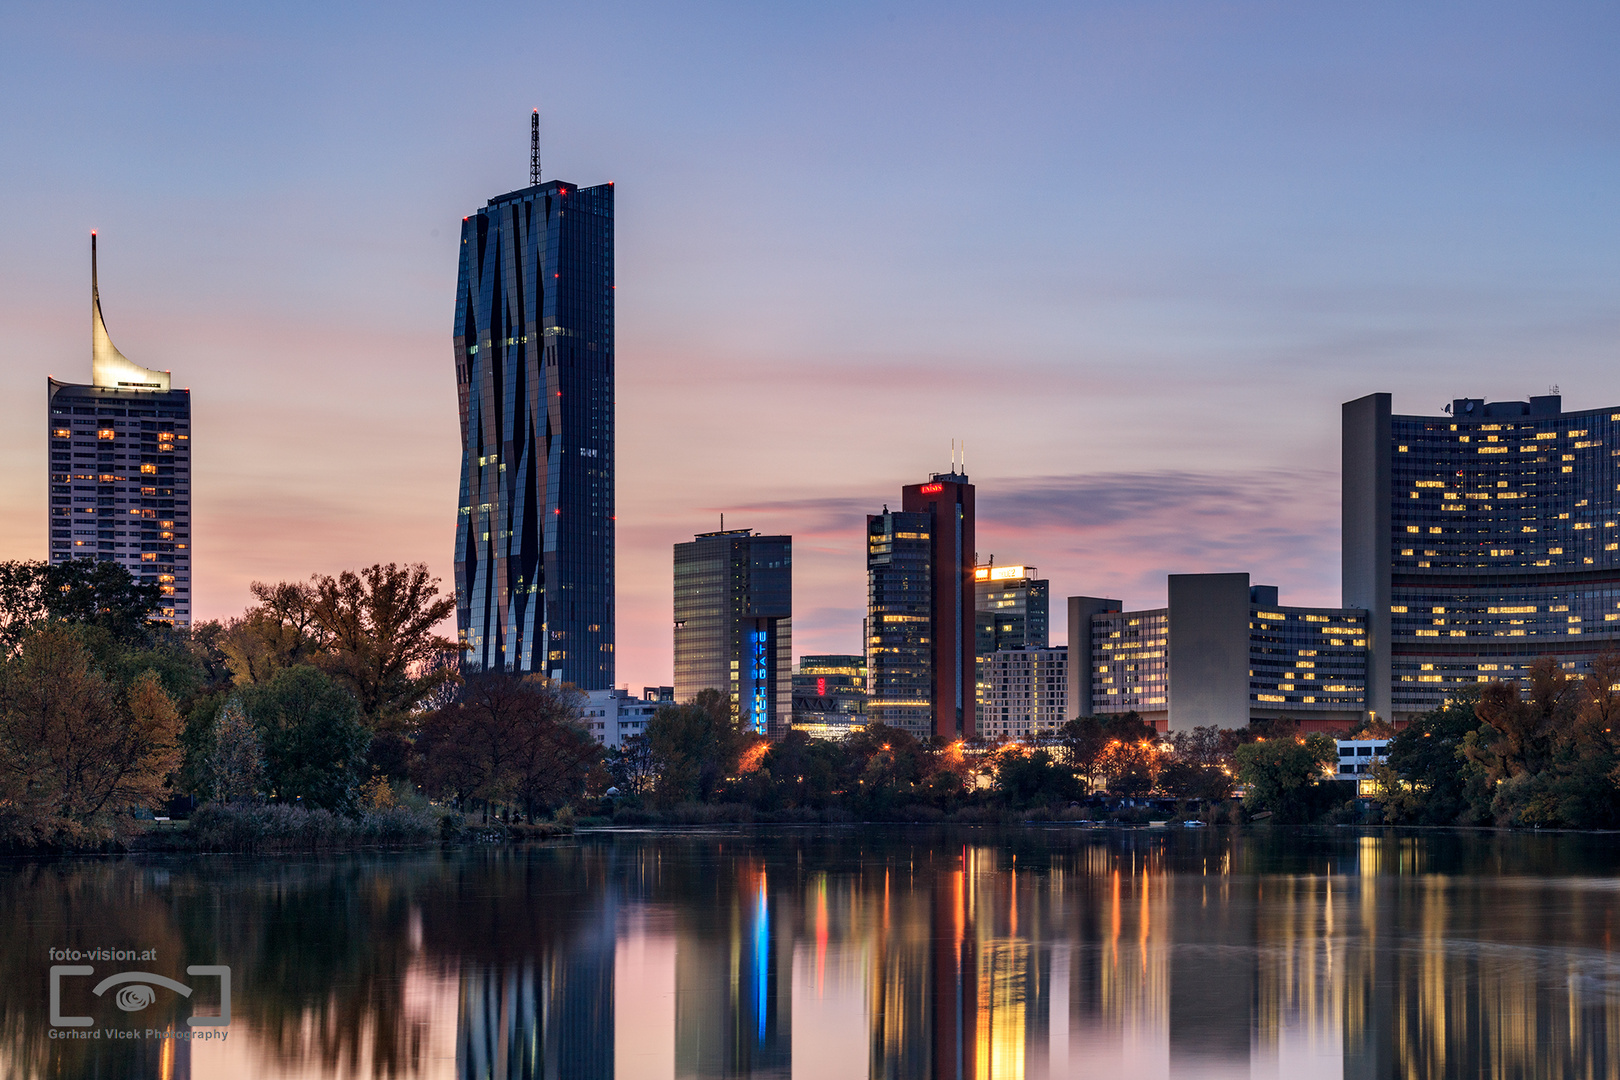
[611, 715]
[1026, 693]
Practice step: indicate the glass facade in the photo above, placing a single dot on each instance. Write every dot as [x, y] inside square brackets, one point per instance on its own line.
[1026, 693]
[829, 695]
[1302, 661]
[534, 352]
[734, 624]
[1012, 608]
[1504, 545]
[900, 613]
[1307, 660]
[1130, 662]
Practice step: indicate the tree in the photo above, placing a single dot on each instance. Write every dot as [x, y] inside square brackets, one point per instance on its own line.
[633, 765]
[1547, 752]
[100, 594]
[696, 746]
[236, 766]
[507, 739]
[1426, 780]
[80, 591]
[76, 752]
[314, 744]
[1034, 779]
[1282, 773]
[1081, 746]
[22, 602]
[281, 631]
[380, 640]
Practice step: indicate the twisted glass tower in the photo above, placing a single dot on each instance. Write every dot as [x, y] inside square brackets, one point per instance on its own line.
[534, 373]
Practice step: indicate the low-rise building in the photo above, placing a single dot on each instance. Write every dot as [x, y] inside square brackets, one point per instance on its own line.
[829, 695]
[613, 715]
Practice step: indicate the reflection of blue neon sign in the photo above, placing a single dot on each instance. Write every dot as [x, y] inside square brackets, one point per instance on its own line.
[759, 708]
[762, 958]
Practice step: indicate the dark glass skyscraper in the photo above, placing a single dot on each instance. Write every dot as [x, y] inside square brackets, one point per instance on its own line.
[120, 469]
[920, 617]
[534, 372]
[734, 624]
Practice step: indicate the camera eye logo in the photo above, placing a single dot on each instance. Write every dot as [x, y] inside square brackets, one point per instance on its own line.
[138, 989]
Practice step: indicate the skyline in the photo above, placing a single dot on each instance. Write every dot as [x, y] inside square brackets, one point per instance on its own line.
[1205, 232]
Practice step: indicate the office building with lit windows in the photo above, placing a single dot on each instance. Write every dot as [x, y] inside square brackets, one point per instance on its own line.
[920, 626]
[1479, 541]
[1221, 653]
[120, 469]
[829, 695]
[734, 624]
[534, 354]
[1010, 608]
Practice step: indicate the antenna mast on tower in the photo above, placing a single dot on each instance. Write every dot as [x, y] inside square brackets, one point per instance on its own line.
[534, 149]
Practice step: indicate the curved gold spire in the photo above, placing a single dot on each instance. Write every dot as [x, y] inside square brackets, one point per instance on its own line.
[108, 366]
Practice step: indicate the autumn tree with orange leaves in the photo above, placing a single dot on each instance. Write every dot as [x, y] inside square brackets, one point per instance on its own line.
[77, 753]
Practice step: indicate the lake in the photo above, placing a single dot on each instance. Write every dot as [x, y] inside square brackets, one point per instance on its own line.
[836, 953]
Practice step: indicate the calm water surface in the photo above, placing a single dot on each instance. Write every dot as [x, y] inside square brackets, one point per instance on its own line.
[835, 953]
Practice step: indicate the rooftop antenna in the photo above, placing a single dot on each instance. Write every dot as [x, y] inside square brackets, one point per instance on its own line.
[534, 149]
[953, 455]
[964, 457]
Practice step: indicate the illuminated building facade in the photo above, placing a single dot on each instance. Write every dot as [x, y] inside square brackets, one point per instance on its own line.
[120, 469]
[1010, 608]
[899, 621]
[534, 351]
[920, 625]
[734, 624]
[829, 695]
[1025, 693]
[1224, 653]
[1479, 541]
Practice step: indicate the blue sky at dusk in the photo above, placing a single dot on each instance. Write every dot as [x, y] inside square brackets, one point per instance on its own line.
[1136, 255]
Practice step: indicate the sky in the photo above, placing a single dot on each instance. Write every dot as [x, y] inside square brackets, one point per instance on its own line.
[1133, 255]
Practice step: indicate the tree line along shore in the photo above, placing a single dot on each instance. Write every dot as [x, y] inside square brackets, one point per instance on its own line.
[330, 714]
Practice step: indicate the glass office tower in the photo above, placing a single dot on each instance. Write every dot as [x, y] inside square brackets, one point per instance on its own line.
[1012, 609]
[899, 621]
[1479, 541]
[534, 372]
[734, 624]
[120, 469]
[920, 617]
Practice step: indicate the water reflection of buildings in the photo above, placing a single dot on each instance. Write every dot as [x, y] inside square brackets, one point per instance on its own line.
[1118, 956]
[733, 987]
[545, 1017]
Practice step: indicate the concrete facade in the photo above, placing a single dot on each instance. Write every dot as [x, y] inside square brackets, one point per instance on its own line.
[1209, 650]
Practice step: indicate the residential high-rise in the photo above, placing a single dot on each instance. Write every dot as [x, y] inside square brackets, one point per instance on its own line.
[734, 624]
[534, 351]
[920, 610]
[1479, 541]
[1025, 693]
[120, 469]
